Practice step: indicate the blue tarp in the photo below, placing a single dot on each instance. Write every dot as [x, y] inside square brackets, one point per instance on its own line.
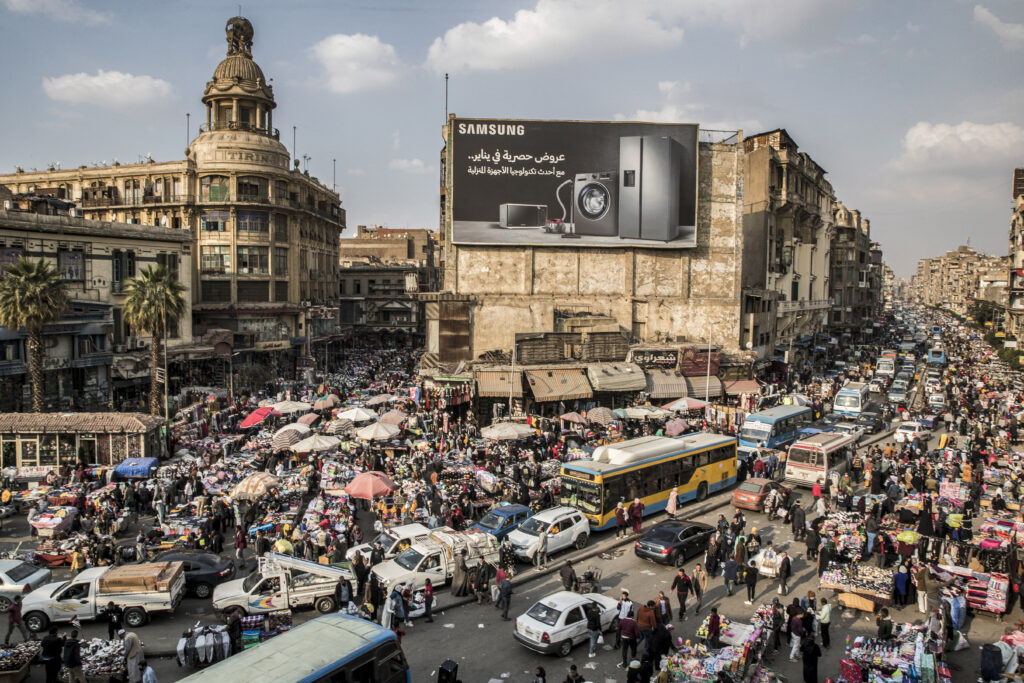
[137, 467]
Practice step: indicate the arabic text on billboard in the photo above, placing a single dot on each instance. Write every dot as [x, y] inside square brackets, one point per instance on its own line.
[574, 183]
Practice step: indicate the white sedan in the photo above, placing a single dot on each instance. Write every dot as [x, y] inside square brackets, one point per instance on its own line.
[906, 432]
[558, 622]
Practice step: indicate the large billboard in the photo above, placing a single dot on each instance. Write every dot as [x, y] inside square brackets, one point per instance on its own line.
[573, 183]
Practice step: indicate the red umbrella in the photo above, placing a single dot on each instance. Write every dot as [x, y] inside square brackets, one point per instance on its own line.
[308, 418]
[370, 485]
[675, 427]
[257, 416]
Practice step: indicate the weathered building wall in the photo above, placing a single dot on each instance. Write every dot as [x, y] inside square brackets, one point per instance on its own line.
[652, 293]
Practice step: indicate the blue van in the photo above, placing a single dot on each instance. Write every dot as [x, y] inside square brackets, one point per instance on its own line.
[503, 520]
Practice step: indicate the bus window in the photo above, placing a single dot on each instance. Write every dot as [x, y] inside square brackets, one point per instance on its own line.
[364, 673]
[633, 485]
[702, 459]
[686, 468]
[613, 493]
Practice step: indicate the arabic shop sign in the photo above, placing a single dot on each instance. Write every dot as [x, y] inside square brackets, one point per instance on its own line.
[655, 358]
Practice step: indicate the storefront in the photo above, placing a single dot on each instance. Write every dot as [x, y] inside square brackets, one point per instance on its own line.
[665, 385]
[557, 390]
[42, 441]
[616, 385]
[494, 388]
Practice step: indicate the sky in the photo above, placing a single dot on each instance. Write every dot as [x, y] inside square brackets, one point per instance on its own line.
[915, 108]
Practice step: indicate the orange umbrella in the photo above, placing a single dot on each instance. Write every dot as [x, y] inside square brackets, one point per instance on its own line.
[370, 485]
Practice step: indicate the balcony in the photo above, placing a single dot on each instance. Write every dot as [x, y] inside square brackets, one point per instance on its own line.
[169, 199]
[784, 307]
[239, 126]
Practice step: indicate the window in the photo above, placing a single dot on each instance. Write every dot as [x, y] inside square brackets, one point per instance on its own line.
[574, 615]
[214, 188]
[280, 189]
[168, 261]
[8, 257]
[613, 493]
[280, 227]
[91, 343]
[71, 265]
[357, 287]
[280, 261]
[254, 222]
[341, 286]
[123, 262]
[215, 260]
[253, 260]
[252, 188]
[214, 221]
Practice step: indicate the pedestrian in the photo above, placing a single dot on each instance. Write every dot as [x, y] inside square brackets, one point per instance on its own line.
[785, 571]
[778, 619]
[240, 545]
[636, 515]
[673, 501]
[235, 631]
[50, 651]
[132, 655]
[714, 629]
[796, 633]
[751, 580]
[628, 634]
[14, 621]
[505, 597]
[540, 554]
[700, 586]
[71, 657]
[683, 586]
[621, 525]
[663, 609]
[799, 522]
[646, 621]
[146, 673]
[824, 617]
[568, 575]
[115, 615]
[539, 675]
[884, 624]
[813, 541]
[573, 676]
[730, 573]
[811, 654]
[593, 627]
[428, 601]
[901, 583]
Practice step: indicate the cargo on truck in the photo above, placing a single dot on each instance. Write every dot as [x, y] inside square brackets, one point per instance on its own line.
[282, 582]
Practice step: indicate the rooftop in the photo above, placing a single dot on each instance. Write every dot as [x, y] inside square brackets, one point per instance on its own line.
[53, 423]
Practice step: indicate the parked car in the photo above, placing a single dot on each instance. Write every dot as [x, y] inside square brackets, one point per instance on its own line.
[908, 430]
[203, 570]
[19, 578]
[751, 494]
[553, 625]
[674, 542]
[870, 422]
[503, 520]
[566, 528]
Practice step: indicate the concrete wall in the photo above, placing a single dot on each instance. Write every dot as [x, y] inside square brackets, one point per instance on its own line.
[654, 293]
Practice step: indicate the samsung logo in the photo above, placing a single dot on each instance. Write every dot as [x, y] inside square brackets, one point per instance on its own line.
[491, 129]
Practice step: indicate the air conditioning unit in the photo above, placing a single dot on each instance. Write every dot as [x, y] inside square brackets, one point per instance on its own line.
[307, 304]
[140, 343]
[120, 348]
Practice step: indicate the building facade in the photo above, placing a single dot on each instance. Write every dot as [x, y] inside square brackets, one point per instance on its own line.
[788, 206]
[1015, 274]
[381, 300]
[264, 234]
[856, 282]
[490, 295]
[94, 359]
[954, 280]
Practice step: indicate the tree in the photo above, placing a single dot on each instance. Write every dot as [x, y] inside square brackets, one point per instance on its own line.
[153, 304]
[32, 296]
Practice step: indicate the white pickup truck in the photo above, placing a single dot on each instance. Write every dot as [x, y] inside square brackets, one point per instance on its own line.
[434, 558]
[392, 541]
[140, 590]
[281, 582]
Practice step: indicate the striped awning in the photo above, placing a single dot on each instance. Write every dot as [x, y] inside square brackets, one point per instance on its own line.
[497, 383]
[742, 386]
[698, 387]
[666, 384]
[616, 377]
[558, 384]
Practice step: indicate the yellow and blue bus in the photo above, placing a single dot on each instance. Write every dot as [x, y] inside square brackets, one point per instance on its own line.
[648, 468]
[334, 648]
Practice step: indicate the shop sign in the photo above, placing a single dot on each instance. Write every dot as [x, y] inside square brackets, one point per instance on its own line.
[273, 345]
[654, 358]
[1000, 335]
[693, 362]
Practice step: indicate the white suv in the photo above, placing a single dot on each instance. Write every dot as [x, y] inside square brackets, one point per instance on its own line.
[566, 528]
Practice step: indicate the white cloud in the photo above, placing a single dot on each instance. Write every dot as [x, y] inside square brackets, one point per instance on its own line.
[912, 27]
[1011, 35]
[70, 11]
[755, 19]
[554, 30]
[682, 104]
[356, 171]
[414, 166]
[943, 147]
[112, 89]
[353, 63]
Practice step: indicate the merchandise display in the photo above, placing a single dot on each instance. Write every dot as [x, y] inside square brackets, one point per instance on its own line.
[15, 657]
[873, 583]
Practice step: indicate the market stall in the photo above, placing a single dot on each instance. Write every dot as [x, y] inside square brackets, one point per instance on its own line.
[860, 586]
[15, 661]
[740, 658]
[55, 522]
[911, 655]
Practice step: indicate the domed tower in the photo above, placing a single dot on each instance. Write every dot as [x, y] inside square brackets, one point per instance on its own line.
[238, 97]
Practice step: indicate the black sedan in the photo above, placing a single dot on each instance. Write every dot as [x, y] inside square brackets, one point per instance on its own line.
[203, 570]
[870, 422]
[674, 542]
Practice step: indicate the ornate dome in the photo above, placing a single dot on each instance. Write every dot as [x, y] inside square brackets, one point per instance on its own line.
[240, 67]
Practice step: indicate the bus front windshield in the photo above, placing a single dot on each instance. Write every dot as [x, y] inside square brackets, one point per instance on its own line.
[583, 495]
[847, 401]
[755, 431]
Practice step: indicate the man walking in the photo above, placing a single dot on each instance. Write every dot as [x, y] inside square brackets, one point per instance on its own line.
[14, 621]
[51, 648]
[799, 522]
[729, 575]
[683, 586]
[628, 635]
[72, 658]
[700, 586]
[505, 597]
[540, 555]
[751, 581]
[824, 616]
[785, 571]
[593, 627]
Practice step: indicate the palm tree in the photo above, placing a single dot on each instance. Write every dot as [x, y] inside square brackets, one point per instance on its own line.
[32, 296]
[154, 302]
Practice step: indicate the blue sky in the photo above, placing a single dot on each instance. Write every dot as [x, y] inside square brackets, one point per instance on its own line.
[916, 108]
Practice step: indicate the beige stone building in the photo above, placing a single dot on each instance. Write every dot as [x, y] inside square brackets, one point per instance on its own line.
[953, 280]
[264, 234]
[1015, 274]
[493, 295]
[94, 359]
